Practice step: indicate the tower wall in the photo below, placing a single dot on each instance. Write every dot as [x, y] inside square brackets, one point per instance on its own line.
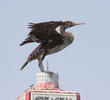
[47, 81]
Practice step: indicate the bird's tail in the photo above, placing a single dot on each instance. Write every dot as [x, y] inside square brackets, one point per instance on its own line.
[24, 64]
[27, 40]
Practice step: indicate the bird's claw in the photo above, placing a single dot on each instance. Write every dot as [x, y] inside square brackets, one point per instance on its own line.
[48, 72]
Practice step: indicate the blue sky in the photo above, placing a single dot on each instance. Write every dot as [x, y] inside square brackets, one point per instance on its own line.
[84, 66]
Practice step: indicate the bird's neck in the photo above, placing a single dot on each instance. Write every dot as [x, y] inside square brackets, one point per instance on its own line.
[62, 30]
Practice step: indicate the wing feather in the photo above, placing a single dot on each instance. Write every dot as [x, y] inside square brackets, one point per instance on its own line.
[51, 24]
[46, 30]
[43, 32]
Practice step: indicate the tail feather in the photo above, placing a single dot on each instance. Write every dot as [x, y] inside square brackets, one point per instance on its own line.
[24, 64]
[27, 40]
[24, 42]
[32, 56]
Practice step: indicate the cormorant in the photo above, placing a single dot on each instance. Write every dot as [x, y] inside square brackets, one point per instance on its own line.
[50, 40]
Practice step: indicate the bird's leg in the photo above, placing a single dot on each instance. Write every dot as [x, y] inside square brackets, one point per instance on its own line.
[41, 66]
[41, 57]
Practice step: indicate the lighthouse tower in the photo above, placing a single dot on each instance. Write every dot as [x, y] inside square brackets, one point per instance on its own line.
[47, 88]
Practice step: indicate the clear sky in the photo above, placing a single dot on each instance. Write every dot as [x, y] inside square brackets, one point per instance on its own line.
[84, 66]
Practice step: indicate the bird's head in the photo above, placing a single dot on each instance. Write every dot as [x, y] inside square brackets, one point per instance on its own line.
[68, 24]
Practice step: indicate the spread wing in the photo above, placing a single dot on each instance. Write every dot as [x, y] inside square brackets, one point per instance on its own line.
[51, 24]
[42, 32]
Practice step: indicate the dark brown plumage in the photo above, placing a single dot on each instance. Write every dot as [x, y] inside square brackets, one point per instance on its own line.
[50, 40]
[43, 32]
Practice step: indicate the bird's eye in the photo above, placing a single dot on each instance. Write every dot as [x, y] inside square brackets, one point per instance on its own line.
[70, 25]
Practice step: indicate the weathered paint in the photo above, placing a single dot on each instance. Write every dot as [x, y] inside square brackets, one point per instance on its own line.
[45, 80]
[47, 88]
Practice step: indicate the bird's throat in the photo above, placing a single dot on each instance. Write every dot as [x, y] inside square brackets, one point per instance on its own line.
[62, 30]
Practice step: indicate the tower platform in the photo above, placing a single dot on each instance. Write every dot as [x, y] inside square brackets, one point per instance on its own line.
[47, 88]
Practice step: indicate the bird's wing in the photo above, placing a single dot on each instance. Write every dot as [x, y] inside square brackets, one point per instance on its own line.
[45, 31]
[45, 25]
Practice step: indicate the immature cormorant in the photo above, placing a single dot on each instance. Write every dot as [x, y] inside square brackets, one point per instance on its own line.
[50, 40]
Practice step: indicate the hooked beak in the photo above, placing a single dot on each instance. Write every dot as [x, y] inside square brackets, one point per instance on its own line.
[74, 23]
